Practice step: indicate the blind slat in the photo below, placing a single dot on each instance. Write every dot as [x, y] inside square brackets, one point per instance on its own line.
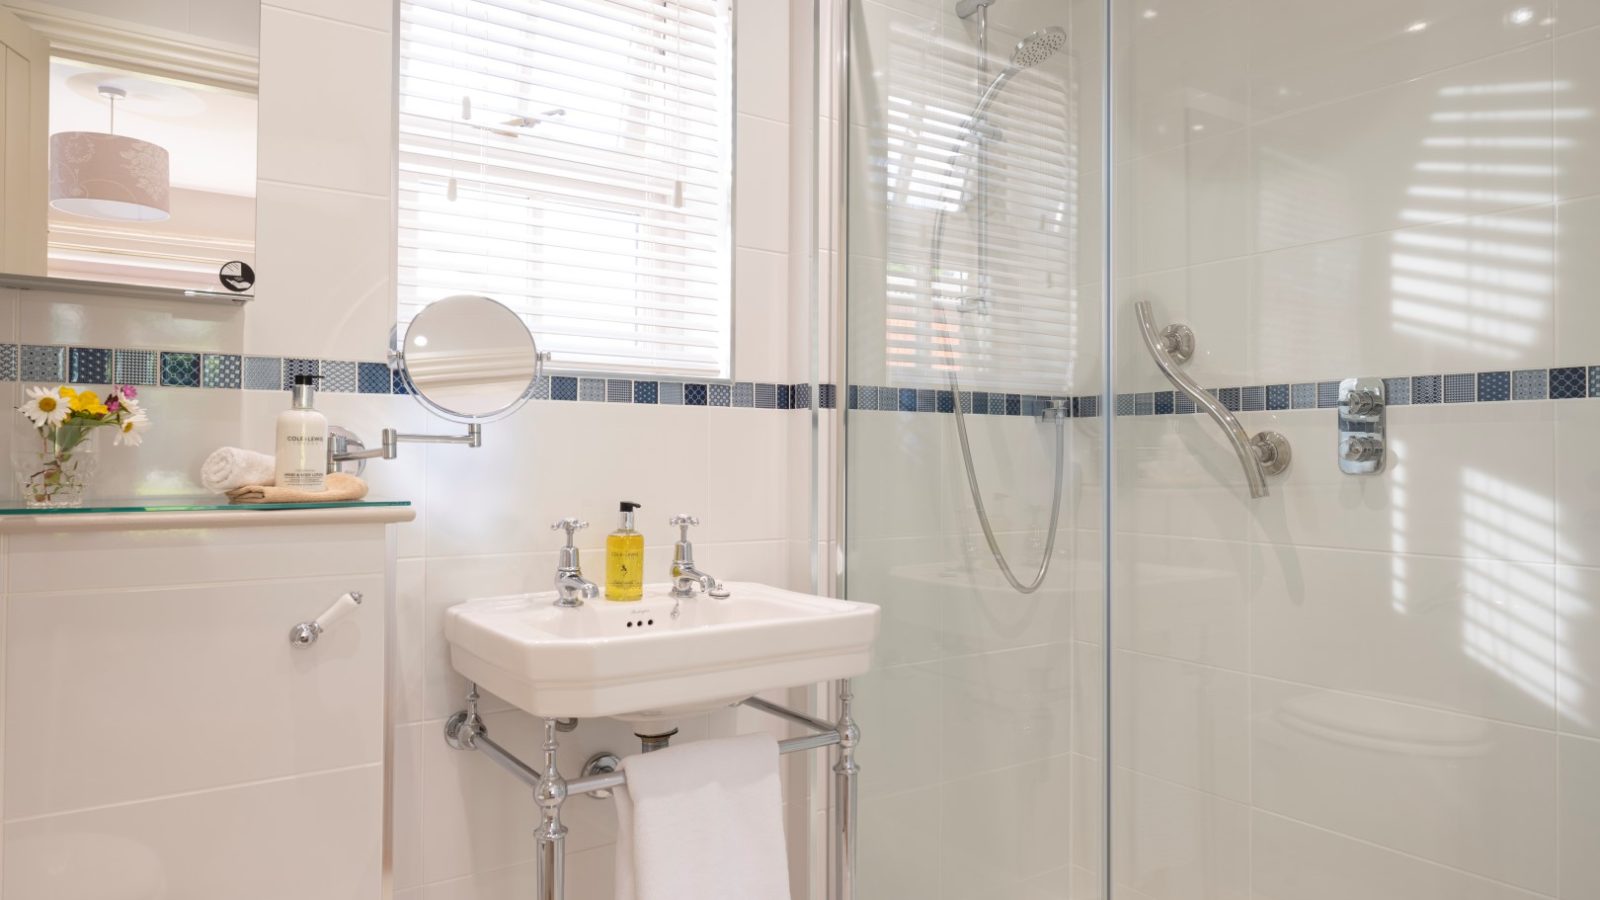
[605, 226]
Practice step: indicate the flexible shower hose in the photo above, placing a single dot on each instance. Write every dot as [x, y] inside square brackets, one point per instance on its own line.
[983, 514]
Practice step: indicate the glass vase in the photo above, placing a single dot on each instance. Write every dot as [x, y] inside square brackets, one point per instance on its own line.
[54, 470]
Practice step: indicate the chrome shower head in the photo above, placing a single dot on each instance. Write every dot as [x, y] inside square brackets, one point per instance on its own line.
[1038, 47]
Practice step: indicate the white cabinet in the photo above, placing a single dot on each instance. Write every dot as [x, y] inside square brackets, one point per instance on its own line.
[163, 738]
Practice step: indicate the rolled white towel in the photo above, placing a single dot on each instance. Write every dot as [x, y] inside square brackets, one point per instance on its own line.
[229, 468]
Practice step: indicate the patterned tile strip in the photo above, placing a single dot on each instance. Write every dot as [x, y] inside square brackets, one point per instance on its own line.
[182, 368]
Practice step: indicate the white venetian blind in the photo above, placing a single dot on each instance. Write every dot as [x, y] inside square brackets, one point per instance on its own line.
[1024, 263]
[573, 159]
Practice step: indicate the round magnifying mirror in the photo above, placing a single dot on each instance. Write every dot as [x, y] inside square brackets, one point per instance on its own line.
[469, 359]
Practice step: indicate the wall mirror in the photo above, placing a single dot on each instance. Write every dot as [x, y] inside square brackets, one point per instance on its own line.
[128, 143]
[468, 359]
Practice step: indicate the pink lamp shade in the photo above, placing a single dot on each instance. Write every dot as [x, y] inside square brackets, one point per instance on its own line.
[108, 176]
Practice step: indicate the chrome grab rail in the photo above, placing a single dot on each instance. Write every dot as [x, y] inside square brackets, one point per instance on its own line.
[1261, 455]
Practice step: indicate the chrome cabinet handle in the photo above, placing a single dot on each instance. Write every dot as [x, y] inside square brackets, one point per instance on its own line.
[306, 633]
[1261, 455]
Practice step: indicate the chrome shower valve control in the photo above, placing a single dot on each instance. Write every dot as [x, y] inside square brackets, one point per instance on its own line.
[1361, 448]
[1363, 421]
[1363, 402]
[571, 587]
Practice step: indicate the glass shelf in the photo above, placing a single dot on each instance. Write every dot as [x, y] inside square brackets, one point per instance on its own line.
[181, 504]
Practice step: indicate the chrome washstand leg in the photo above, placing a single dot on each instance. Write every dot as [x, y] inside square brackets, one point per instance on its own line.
[845, 810]
[550, 794]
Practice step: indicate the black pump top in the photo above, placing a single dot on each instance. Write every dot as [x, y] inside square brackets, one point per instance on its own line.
[630, 506]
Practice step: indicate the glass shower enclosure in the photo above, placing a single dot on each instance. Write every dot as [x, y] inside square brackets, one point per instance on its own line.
[1218, 442]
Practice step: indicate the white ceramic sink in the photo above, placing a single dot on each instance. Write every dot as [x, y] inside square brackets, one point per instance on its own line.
[634, 661]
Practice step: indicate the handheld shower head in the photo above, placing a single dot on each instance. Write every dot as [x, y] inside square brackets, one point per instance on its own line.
[1038, 47]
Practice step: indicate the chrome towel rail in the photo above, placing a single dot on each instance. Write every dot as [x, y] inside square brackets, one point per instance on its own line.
[1263, 454]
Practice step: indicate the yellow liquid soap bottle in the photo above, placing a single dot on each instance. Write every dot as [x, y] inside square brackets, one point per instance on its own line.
[625, 558]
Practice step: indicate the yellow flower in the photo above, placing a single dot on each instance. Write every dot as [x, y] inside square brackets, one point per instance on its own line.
[88, 402]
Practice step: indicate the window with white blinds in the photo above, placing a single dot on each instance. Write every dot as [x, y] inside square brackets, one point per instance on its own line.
[573, 159]
[1010, 232]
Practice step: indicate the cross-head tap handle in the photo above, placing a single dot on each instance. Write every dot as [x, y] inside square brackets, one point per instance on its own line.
[683, 521]
[571, 524]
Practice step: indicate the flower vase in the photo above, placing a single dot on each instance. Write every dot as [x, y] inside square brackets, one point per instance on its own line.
[54, 467]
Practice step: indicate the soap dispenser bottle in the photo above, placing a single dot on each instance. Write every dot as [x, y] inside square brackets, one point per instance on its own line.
[625, 558]
[302, 448]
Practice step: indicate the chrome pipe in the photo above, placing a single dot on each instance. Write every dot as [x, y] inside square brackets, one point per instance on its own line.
[550, 793]
[523, 772]
[846, 772]
[1260, 455]
[784, 712]
[609, 780]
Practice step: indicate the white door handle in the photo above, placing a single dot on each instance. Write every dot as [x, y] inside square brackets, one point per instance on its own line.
[306, 633]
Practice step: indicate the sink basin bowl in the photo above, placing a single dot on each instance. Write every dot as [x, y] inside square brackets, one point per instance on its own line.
[634, 661]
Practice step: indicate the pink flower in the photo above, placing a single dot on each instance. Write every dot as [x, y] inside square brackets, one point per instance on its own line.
[112, 403]
[128, 391]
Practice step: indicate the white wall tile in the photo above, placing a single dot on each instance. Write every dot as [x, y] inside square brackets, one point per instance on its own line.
[1294, 861]
[1468, 295]
[1174, 843]
[761, 44]
[326, 273]
[374, 14]
[1182, 598]
[761, 336]
[1577, 278]
[1177, 475]
[312, 133]
[1580, 817]
[1461, 791]
[224, 843]
[1578, 650]
[122, 661]
[1182, 723]
[1572, 15]
[904, 705]
[1183, 67]
[1185, 205]
[1434, 499]
[1020, 700]
[1577, 75]
[1421, 151]
[761, 202]
[1014, 824]
[1303, 52]
[1469, 635]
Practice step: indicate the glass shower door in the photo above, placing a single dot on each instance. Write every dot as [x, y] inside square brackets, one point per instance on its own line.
[1373, 685]
[972, 324]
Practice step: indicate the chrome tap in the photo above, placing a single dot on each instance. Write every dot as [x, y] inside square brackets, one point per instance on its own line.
[685, 577]
[572, 587]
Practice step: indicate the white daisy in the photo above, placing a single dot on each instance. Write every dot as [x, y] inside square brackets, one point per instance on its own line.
[130, 430]
[45, 407]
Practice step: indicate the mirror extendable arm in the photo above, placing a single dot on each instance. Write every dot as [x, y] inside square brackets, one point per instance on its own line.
[344, 446]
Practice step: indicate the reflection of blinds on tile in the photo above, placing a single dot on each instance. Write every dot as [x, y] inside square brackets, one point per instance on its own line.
[573, 159]
[1021, 338]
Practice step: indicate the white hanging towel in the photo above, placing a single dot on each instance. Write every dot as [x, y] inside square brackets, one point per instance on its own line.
[703, 821]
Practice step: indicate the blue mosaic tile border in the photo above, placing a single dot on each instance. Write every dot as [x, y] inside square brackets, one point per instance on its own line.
[187, 368]
[1560, 383]
[231, 371]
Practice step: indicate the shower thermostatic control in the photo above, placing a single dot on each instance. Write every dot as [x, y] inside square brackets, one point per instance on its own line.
[1362, 423]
